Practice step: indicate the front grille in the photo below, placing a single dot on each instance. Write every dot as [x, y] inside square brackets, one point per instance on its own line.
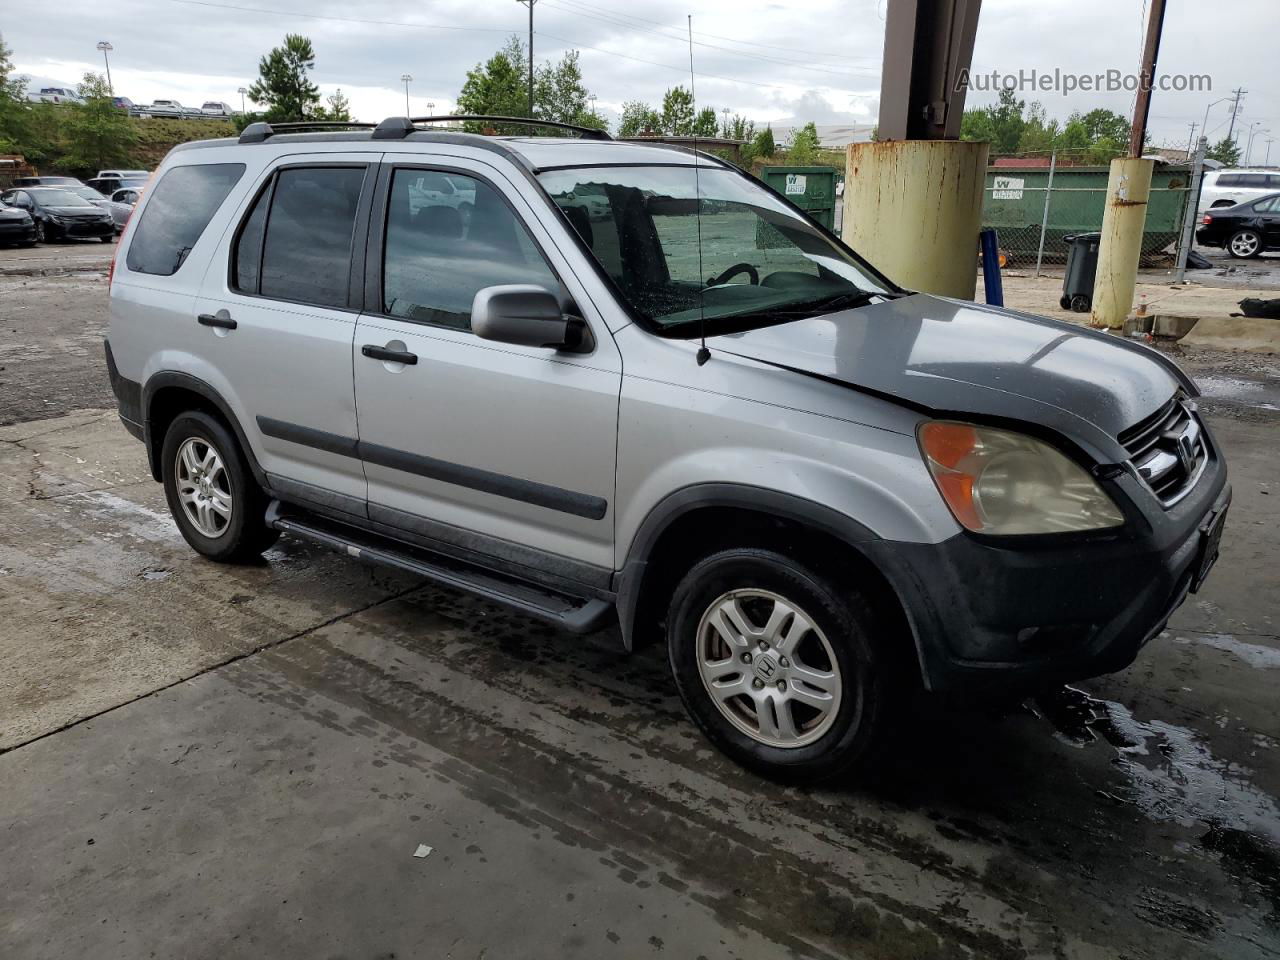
[1168, 450]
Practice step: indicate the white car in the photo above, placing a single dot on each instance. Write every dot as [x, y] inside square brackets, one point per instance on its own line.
[215, 108]
[167, 108]
[123, 174]
[1229, 186]
[55, 95]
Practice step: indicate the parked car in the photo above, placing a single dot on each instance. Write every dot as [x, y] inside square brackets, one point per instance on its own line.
[215, 108]
[46, 182]
[1244, 230]
[1228, 187]
[128, 196]
[166, 108]
[16, 226]
[60, 214]
[55, 95]
[820, 489]
[125, 104]
[118, 174]
[109, 185]
[119, 211]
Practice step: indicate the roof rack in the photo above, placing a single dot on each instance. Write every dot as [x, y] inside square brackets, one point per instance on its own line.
[397, 128]
[261, 130]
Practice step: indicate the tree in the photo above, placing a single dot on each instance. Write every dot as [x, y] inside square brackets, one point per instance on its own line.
[98, 133]
[739, 128]
[1038, 132]
[500, 87]
[804, 146]
[762, 146]
[13, 102]
[284, 83]
[704, 124]
[677, 112]
[338, 107]
[637, 118]
[1226, 152]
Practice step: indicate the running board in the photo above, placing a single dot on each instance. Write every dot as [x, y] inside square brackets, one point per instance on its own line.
[575, 614]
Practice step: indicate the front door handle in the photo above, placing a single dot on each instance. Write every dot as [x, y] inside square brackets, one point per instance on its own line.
[215, 320]
[385, 353]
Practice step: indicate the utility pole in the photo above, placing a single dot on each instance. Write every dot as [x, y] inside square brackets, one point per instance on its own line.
[1146, 73]
[406, 80]
[106, 48]
[1235, 110]
[529, 4]
[1192, 139]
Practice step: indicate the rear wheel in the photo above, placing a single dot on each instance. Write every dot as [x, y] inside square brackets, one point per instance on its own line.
[110, 238]
[779, 667]
[213, 497]
[1245, 244]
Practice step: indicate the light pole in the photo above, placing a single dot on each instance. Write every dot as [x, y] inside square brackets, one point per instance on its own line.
[1267, 160]
[242, 91]
[1204, 127]
[592, 98]
[107, 48]
[1248, 150]
[431, 108]
[406, 80]
[724, 111]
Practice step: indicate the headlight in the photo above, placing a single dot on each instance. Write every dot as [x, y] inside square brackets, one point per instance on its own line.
[999, 482]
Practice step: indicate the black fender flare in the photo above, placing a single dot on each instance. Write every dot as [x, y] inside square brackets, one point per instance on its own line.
[809, 513]
[185, 381]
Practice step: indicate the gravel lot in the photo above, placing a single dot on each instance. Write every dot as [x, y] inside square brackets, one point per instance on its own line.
[209, 761]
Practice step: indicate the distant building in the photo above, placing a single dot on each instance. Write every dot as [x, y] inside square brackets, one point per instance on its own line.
[834, 135]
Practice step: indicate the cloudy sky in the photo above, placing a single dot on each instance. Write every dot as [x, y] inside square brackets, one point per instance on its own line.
[777, 62]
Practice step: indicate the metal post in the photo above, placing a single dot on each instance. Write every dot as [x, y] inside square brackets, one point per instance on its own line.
[1235, 110]
[1191, 140]
[1189, 217]
[242, 91]
[406, 80]
[1044, 219]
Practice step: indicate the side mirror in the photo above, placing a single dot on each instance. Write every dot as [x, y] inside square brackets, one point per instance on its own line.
[527, 315]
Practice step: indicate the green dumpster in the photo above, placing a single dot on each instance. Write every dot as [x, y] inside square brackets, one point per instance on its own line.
[812, 189]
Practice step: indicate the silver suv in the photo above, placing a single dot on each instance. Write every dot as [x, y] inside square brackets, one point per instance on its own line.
[633, 387]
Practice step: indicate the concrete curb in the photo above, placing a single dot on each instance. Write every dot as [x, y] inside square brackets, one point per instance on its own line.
[37, 268]
[1252, 334]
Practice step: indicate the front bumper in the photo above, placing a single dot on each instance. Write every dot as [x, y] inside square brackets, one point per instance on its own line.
[81, 228]
[17, 232]
[990, 618]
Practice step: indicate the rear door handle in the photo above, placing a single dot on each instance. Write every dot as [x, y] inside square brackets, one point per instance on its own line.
[213, 320]
[391, 356]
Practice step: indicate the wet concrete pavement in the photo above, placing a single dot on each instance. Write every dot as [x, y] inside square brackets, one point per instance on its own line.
[199, 760]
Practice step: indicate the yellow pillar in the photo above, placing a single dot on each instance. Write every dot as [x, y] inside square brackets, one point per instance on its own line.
[1128, 189]
[913, 208]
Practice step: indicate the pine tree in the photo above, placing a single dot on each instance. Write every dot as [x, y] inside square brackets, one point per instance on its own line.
[284, 83]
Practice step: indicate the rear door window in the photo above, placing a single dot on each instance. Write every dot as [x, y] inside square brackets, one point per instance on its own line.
[306, 250]
[181, 206]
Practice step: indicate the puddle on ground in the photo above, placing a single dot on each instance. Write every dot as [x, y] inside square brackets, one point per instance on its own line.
[1254, 654]
[1262, 394]
[156, 574]
[1173, 776]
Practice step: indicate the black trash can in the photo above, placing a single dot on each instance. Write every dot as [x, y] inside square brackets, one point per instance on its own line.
[1082, 267]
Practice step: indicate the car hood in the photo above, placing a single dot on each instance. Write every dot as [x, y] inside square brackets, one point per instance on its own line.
[12, 213]
[955, 358]
[90, 211]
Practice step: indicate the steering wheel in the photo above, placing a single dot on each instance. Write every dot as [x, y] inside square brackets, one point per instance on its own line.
[732, 272]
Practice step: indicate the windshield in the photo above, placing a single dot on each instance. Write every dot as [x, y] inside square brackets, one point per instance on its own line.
[760, 262]
[133, 181]
[58, 198]
[86, 193]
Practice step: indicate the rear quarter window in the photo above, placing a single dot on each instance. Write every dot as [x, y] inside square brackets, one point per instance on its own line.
[181, 205]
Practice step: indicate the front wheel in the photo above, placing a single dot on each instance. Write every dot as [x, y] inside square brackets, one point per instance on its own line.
[781, 668]
[1245, 244]
[213, 497]
[40, 234]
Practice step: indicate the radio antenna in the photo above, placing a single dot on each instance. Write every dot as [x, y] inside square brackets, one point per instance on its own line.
[703, 353]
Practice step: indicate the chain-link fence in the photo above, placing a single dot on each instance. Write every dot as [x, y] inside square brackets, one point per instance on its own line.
[1035, 203]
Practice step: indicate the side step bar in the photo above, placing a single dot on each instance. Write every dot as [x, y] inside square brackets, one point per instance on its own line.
[575, 614]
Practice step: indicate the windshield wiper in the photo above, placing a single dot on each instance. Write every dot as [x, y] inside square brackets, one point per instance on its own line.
[827, 304]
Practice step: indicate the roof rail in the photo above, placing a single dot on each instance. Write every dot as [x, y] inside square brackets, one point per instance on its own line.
[397, 128]
[261, 130]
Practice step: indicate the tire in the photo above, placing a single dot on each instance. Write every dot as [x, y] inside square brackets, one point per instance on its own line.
[108, 239]
[844, 650]
[1064, 302]
[1080, 303]
[1245, 244]
[235, 532]
[40, 235]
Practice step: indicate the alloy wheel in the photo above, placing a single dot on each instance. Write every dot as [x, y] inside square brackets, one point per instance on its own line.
[768, 668]
[204, 489]
[1245, 244]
